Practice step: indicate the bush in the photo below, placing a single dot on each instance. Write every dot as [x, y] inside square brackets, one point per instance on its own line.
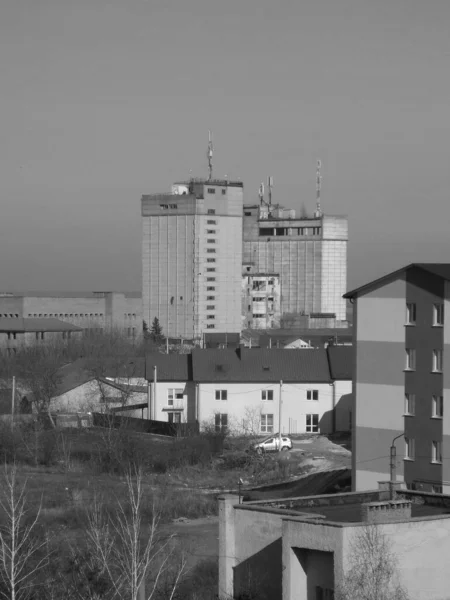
[202, 582]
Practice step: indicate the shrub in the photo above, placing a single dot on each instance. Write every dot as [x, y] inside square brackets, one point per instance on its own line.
[201, 583]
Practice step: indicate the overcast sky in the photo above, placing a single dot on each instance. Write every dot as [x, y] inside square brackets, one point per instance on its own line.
[103, 100]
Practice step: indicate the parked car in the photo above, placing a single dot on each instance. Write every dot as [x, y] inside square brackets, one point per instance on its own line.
[272, 444]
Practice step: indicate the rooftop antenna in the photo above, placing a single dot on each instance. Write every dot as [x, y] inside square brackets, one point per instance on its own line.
[261, 193]
[270, 185]
[318, 212]
[210, 155]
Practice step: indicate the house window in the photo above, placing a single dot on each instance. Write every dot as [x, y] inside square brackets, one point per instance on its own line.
[266, 394]
[312, 394]
[211, 191]
[410, 314]
[410, 448]
[221, 395]
[438, 314]
[410, 359]
[210, 326]
[211, 222]
[211, 211]
[312, 423]
[436, 452]
[266, 423]
[221, 422]
[437, 361]
[211, 260]
[410, 404]
[174, 394]
[437, 406]
[174, 417]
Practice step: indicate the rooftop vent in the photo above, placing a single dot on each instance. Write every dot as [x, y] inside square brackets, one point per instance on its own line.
[386, 512]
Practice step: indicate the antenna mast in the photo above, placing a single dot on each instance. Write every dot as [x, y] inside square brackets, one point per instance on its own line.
[210, 155]
[318, 188]
[261, 194]
[270, 186]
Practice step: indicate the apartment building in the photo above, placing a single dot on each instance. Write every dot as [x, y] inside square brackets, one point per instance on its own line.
[192, 257]
[402, 378]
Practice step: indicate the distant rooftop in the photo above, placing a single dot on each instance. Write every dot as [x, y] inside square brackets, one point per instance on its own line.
[206, 181]
[59, 294]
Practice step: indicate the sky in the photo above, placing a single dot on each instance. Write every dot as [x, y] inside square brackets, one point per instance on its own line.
[102, 101]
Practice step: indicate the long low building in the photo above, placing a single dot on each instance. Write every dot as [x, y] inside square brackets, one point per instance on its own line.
[242, 389]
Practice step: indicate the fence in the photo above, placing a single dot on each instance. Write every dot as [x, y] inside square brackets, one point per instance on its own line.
[145, 426]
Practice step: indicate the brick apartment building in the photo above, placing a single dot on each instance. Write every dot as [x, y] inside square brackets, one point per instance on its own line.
[402, 378]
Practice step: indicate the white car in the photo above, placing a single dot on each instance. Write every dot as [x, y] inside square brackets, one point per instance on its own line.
[272, 444]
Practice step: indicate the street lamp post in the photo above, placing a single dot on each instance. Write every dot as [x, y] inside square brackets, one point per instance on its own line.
[393, 458]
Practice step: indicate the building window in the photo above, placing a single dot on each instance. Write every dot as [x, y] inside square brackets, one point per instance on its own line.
[312, 423]
[164, 206]
[210, 288]
[221, 395]
[316, 230]
[210, 279]
[174, 394]
[410, 359]
[211, 222]
[410, 314]
[210, 316]
[266, 394]
[211, 191]
[410, 404]
[258, 299]
[266, 423]
[211, 211]
[224, 191]
[210, 307]
[211, 241]
[211, 260]
[12, 336]
[211, 231]
[210, 326]
[437, 406]
[258, 316]
[174, 417]
[438, 315]
[221, 422]
[410, 447]
[173, 205]
[210, 250]
[210, 297]
[437, 361]
[436, 452]
[312, 394]
[210, 270]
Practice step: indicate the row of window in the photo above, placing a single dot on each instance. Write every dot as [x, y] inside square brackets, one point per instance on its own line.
[266, 424]
[40, 335]
[71, 315]
[11, 316]
[267, 395]
[167, 206]
[262, 298]
[284, 231]
[437, 406]
[410, 450]
[213, 191]
[438, 314]
[436, 360]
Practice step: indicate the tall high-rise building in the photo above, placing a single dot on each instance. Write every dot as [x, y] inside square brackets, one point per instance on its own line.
[192, 257]
[306, 256]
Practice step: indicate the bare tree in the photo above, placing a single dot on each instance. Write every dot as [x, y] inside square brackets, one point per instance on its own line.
[372, 573]
[22, 553]
[133, 565]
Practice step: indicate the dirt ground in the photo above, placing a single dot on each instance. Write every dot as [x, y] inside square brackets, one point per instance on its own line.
[322, 453]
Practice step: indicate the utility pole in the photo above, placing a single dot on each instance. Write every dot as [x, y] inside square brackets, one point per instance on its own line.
[155, 380]
[393, 465]
[13, 397]
[280, 403]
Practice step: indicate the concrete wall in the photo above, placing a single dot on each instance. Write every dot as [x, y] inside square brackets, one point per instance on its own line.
[244, 405]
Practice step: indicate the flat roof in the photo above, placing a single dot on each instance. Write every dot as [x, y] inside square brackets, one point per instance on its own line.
[351, 513]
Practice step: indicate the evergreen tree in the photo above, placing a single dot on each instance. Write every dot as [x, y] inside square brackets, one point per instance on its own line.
[156, 332]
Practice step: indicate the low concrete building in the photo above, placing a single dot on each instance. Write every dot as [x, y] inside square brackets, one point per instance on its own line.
[304, 548]
[18, 332]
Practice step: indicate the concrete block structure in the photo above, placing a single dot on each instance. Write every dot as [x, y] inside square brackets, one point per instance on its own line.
[17, 332]
[192, 258]
[402, 378]
[87, 310]
[261, 300]
[303, 548]
[309, 254]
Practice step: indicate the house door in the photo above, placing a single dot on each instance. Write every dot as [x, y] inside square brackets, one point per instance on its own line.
[174, 417]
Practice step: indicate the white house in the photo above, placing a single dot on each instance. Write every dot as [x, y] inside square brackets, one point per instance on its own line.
[246, 390]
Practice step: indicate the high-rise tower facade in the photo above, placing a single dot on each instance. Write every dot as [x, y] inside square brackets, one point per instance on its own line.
[192, 257]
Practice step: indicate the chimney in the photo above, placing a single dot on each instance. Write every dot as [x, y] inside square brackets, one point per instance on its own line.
[386, 512]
